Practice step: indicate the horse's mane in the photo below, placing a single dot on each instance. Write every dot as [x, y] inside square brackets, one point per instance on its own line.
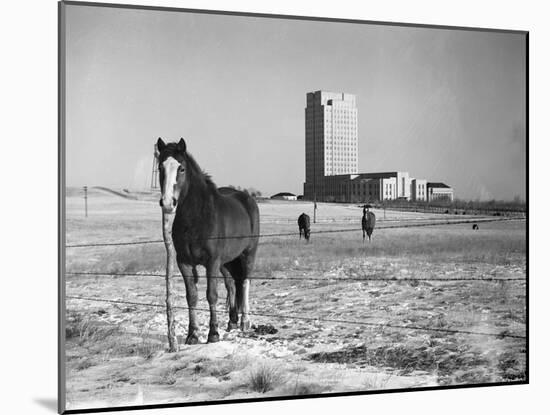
[197, 213]
[196, 174]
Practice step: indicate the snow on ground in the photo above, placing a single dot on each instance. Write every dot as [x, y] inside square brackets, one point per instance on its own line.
[116, 353]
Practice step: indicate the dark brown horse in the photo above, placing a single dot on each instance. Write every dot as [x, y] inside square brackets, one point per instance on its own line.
[215, 228]
[303, 226]
[367, 222]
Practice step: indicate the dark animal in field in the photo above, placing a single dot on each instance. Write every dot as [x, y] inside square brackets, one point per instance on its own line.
[303, 226]
[475, 227]
[367, 223]
[216, 228]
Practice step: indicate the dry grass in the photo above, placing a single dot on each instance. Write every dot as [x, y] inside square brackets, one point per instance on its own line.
[118, 220]
[170, 376]
[497, 249]
[377, 381]
[224, 367]
[148, 348]
[84, 364]
[497, 244]
[86, 330]
[264, 378]
[306, 388]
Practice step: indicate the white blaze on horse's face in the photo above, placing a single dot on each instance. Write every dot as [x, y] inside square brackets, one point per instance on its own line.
[170, 192]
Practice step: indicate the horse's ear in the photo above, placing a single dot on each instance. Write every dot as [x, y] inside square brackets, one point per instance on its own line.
[160, 145]
[182, 146]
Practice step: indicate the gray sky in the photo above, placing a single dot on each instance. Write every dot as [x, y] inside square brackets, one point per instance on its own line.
[444, 105]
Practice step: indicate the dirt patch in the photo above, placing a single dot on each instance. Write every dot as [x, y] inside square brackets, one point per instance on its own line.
[452, 362]
[264, 329]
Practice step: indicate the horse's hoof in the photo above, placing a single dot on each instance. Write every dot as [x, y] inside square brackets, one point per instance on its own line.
[213, 337]
[191, 339]
[245, 325]
[232, 326]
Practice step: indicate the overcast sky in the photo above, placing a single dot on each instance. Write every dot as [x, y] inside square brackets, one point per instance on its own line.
[444, 105]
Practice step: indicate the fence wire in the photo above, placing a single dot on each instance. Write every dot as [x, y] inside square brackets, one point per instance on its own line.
[285, 234]
[336, 279]
[503, 334]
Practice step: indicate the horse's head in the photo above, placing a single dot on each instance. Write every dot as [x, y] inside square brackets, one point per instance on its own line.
[173, 174]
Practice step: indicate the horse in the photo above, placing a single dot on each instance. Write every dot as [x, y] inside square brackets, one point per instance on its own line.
[303, 225]
[367, 223]
[216, 228]
[475, 227]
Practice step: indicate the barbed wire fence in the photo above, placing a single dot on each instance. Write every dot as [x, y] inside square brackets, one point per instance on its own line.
[305, 318]
[334, 280]
[285, 234]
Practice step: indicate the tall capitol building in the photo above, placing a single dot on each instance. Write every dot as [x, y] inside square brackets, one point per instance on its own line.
[331, 159]
[331, 138]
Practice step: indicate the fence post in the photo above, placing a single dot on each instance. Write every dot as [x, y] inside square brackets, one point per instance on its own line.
[315, 211]
[167, 221]
[86, 201]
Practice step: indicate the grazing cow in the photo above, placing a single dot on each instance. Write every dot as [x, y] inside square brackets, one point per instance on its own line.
[303, 225]
[475, 227]
[367, 223]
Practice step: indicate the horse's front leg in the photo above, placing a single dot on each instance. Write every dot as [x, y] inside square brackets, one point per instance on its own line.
[212, 276]
[245, 321]
[192, 299]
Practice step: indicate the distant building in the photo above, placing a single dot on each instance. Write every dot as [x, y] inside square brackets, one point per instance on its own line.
[419, 190]
[331, 139]
[365, 187]
[439, 191]
[284, 196]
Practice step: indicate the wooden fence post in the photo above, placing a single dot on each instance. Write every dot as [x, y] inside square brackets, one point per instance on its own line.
[86, 201]
[315, 211]
[167, 221]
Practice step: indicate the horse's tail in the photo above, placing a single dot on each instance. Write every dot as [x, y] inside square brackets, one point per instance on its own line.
[195, 275]
[227, 302]
[239, 295]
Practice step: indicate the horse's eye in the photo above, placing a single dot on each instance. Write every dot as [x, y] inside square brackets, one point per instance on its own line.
[180, 169]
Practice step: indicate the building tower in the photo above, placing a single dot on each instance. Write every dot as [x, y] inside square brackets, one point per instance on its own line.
[331, 139]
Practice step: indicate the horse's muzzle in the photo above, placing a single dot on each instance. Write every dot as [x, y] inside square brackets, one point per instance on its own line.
[170, 206]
